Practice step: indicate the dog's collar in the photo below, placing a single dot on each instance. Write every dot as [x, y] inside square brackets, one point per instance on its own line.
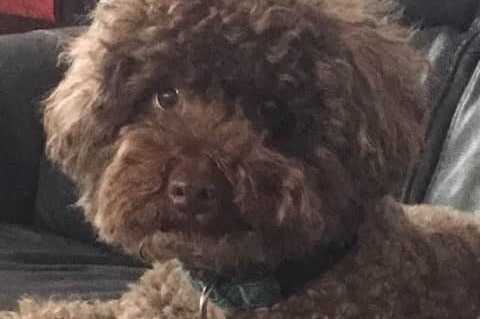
[267, 289]
[253, 292]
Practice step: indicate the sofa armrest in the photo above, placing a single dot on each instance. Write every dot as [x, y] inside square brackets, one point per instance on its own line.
[29, 69]
[458, 14]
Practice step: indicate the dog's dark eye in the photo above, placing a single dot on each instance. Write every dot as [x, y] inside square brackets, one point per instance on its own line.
[277, 118]
[166, 99]
[269, 110]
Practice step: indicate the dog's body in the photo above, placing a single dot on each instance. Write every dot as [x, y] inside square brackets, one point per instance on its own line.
[249, 149]
[417, 263]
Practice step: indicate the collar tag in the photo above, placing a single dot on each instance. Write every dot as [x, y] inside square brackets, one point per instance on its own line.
[267, 289]
[236, 294]
[204, 301]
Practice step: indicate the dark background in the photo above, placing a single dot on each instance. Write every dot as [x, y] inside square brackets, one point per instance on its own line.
[67, 13]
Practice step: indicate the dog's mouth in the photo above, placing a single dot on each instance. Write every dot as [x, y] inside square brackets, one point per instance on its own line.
[206, 223]
[228, 249]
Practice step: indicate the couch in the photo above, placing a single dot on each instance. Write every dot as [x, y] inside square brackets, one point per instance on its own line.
[46, 248]
[21, 16]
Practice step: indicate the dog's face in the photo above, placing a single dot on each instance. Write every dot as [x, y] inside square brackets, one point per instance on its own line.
[228, 133]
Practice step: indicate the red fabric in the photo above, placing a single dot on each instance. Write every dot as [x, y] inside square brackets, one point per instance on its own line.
[37, 9]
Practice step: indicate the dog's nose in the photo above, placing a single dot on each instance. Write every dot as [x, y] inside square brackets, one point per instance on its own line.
[196, 186]
[185, 192]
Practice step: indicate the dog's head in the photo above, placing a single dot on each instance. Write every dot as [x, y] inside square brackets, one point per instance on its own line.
[228, 132]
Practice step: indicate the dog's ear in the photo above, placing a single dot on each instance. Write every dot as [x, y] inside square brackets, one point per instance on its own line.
[82, 115]
[376, 103]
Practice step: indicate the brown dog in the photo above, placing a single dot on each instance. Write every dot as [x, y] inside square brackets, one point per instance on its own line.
[249, 147]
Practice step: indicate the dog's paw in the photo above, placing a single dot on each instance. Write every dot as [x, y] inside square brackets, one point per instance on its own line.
[9, 315]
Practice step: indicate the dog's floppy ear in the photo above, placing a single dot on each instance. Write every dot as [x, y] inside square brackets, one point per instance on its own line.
[376, 103]
[94, 99]
[81, 116]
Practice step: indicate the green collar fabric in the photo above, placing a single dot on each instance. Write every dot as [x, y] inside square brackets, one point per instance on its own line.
[268, 289]
[239, 294]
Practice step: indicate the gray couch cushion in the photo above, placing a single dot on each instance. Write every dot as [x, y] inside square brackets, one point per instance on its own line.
[456, 179]
[30, 189]
[455, 61]
[27, 71]
[454, 13]
[44, 265]
[33, 262]
[55, 209]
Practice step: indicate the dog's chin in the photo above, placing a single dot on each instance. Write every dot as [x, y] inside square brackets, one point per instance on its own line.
[234, 250]
[208, 224]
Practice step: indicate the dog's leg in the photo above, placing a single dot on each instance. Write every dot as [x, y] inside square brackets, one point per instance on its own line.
[165, 292]
[30, 309]
[9, 315]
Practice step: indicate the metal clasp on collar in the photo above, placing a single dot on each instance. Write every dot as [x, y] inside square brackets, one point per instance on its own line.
[204, 297]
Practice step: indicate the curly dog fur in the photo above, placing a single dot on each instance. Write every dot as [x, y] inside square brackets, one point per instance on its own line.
[305, 115]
